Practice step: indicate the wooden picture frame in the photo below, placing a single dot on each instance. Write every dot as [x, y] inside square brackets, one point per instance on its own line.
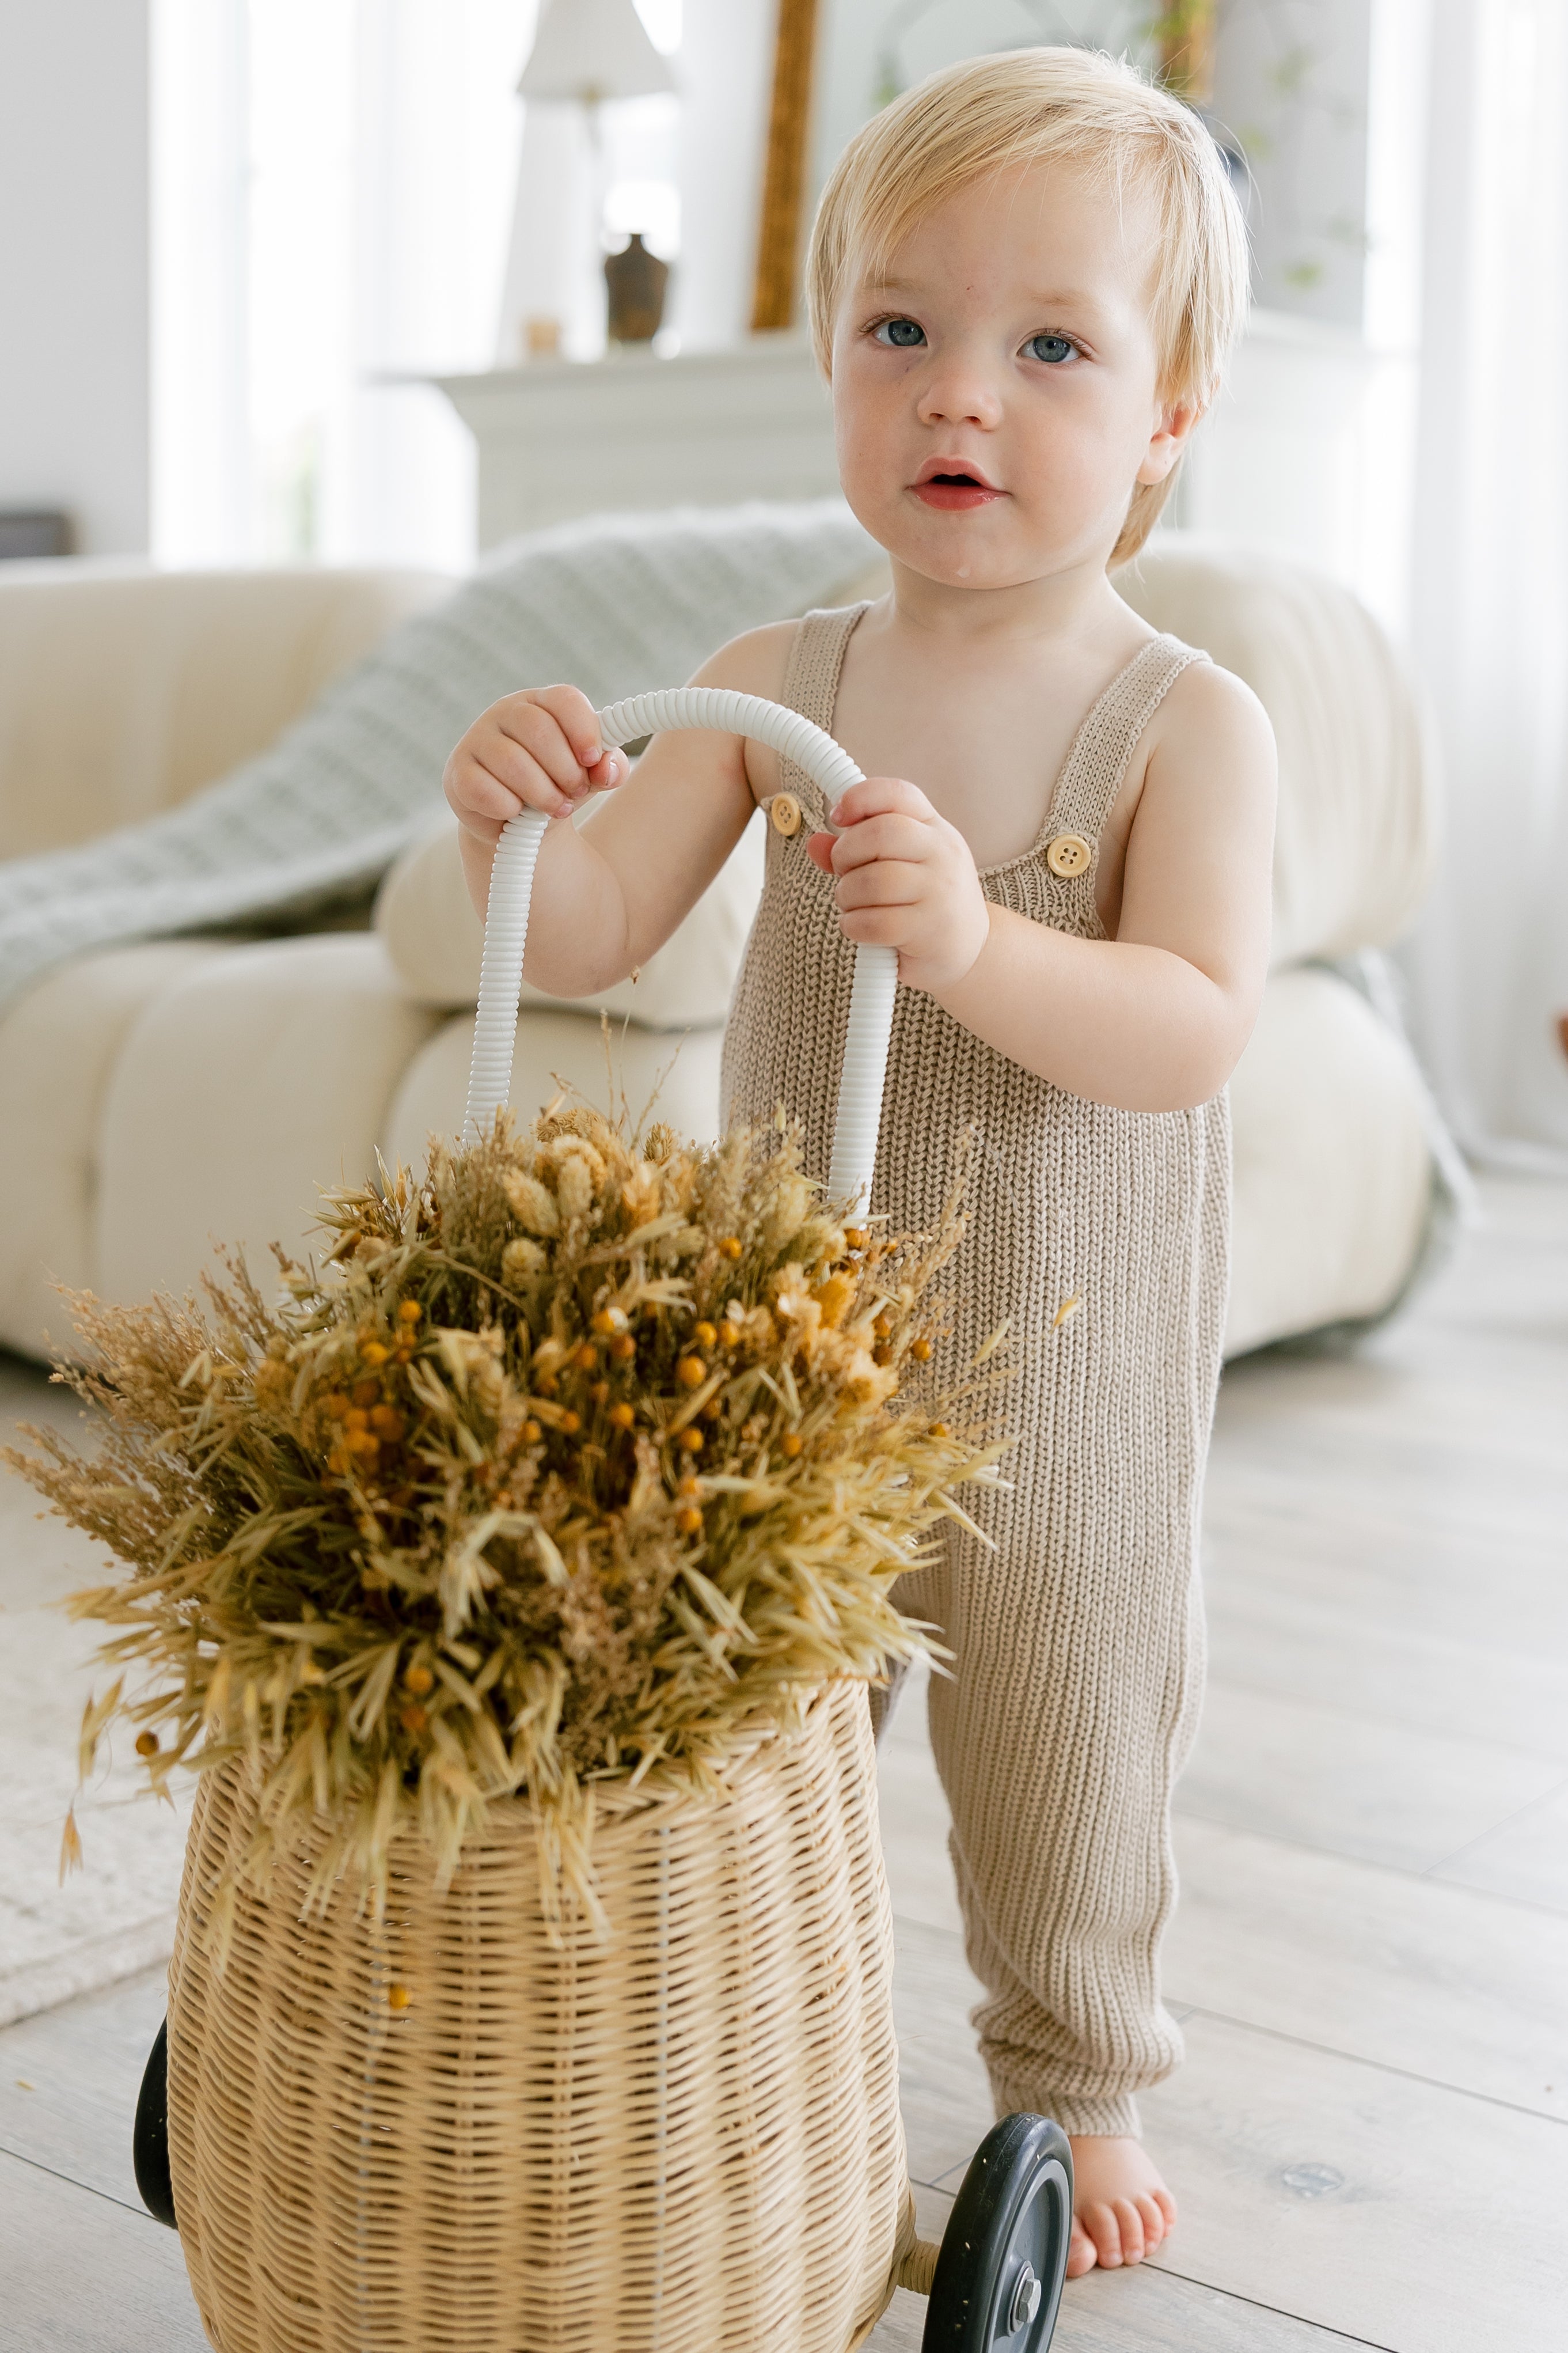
[775, 287]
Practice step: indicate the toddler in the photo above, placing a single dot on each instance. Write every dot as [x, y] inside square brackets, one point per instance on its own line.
[1025, 276]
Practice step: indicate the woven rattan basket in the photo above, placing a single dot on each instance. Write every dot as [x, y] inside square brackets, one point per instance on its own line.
[448, 2132]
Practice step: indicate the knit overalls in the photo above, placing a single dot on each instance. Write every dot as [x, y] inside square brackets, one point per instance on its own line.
[1077, 1642]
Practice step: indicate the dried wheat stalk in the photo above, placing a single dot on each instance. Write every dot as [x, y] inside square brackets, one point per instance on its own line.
[576, 1461]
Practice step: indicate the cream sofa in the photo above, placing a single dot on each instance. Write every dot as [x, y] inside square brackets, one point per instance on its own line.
[156, 1097]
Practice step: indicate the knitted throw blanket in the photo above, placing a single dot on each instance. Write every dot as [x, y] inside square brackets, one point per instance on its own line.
[617, 605]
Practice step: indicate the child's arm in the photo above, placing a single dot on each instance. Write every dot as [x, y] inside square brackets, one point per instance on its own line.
[1153, 1020]
[606, 896]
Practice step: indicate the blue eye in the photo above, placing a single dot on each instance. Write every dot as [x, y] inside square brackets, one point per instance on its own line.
[1052, 349]
[898, 334]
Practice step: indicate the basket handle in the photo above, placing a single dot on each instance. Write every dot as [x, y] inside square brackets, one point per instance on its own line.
[511, 886]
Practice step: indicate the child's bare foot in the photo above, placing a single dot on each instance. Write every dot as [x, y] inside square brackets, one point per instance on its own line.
[1121, 2209]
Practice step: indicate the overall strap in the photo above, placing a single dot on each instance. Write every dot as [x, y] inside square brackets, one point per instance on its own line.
[1093, 770]
[811, 687]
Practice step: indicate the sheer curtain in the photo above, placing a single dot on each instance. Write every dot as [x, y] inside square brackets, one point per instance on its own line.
[1488, 968]
[332, 192]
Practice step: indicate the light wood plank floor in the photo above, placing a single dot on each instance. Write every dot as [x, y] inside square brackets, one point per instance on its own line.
[1369, 2136]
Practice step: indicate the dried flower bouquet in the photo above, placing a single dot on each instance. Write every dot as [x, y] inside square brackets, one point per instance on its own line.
[577, 1461]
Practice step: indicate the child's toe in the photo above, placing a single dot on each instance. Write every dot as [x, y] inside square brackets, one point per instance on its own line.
[1153, 2220]
[1101, 2225]
[1130, 2231]
[1080, 2252]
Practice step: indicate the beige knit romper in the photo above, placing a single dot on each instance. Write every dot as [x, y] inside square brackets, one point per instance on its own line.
[1077, 1642]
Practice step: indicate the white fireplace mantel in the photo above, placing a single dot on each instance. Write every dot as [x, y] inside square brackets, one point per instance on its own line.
[1303, 453]
[559, 437]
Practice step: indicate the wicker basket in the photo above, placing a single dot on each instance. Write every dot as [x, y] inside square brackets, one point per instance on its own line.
[448, 2132]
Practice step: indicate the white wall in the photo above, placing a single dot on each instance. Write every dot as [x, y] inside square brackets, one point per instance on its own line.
[74, 265]
[1292, 82]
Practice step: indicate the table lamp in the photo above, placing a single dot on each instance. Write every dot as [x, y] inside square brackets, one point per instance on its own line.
[589, 51]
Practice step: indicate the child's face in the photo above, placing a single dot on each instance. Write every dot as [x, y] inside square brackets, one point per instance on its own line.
[1010, 345]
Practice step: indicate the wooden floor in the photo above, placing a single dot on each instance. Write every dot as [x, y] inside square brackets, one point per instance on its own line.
[1369, 2136]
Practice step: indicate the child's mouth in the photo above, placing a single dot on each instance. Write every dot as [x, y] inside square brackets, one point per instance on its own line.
[954, 490]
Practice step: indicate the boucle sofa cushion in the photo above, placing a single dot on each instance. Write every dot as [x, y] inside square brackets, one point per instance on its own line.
[244, 1087]
[1335, 1177]
[59, 1051]
[124, 690]
[427, 925]
[1358, 807]
[657, 1075]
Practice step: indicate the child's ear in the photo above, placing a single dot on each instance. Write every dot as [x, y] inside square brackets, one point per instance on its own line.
[1169, 437]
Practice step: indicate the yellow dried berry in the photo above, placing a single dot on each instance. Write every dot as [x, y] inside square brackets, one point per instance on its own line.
[857, 1237]
[940, 1430]
[920, 1351]
[363, 1441]
[532, 1433]
[409, 1311]
[571, 1423]
[600, 1392]
[624, 1349]
[882, 1328]
[791, 1443]
[705, 1335]
[547, 1384]
[691, 1372]
[418, 1680]
[689, 1520]
[356, 1418]
[728, 1333]
[587, 1357]
[398, 1997]
[834, 1296]
[622, 1416]
[610, 1319]
[146, 1743]
[374, 1353]
[413, 1720]
[336, 1406]
[730, 1247]
[713, 1409]
[691, 1439]
[690, 1487]
[388, 1422]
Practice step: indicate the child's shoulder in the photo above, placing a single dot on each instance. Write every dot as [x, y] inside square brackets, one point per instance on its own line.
[753, 663]
[757, 660]
[1207, 710]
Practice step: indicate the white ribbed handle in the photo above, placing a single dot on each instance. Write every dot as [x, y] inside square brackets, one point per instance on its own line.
[511, 885]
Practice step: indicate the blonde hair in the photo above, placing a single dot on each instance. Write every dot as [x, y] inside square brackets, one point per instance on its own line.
[992, 114]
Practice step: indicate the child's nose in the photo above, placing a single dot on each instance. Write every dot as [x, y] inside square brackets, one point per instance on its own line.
[960, 393]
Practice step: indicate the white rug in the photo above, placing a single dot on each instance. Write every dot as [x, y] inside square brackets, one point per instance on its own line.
[117, 1915]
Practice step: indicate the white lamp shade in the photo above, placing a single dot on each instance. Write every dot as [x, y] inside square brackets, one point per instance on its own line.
[591, 49]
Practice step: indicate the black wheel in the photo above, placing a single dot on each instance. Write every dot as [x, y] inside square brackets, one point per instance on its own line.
[1004, 2252]
[150, 2140]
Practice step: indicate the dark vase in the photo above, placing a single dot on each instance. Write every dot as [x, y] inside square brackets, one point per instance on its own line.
[637, 279]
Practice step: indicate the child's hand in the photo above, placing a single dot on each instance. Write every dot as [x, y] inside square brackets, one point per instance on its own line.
[906, 880]
[539, 749]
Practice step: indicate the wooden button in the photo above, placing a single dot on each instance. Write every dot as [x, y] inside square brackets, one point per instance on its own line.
[784, 811]
[1068, 855]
